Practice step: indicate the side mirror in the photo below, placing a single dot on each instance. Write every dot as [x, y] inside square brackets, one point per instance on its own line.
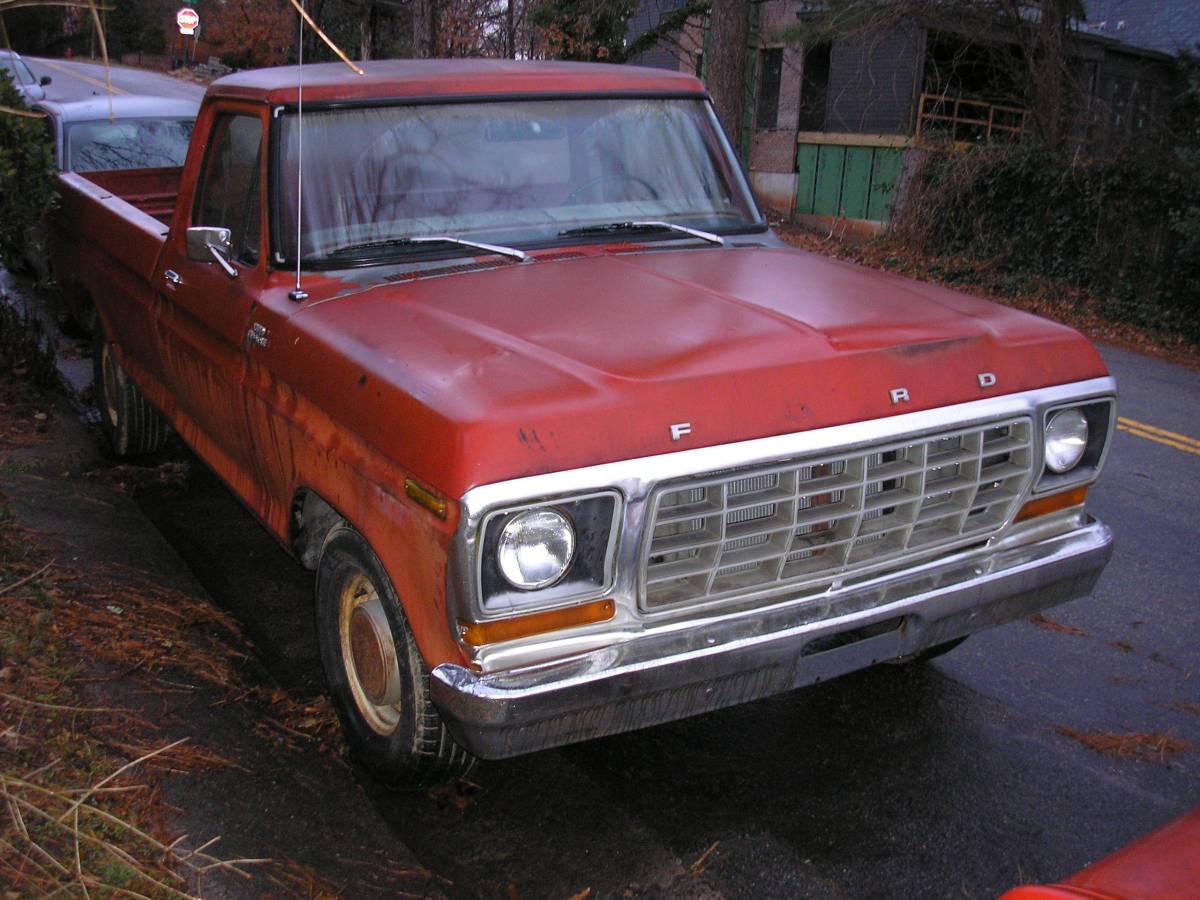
[45, 80]
[208, 244]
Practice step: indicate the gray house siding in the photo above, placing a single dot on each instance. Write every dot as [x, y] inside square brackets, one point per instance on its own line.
[874, 81]
[664, 56]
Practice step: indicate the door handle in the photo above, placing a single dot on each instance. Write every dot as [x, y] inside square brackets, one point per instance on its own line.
[258, 335]
[172, 277]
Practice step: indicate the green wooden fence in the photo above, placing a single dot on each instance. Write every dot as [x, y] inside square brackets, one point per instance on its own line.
[849, 176]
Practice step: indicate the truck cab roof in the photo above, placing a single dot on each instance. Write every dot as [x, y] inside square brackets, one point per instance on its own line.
[417, 79]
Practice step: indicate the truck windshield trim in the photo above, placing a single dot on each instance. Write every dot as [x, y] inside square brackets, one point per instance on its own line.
[514, 173]
[312, 106]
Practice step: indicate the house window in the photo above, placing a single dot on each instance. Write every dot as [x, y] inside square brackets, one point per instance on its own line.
[771, 59]
[814, 85]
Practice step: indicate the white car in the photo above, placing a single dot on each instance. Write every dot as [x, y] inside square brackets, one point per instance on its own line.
[30, 88]
[126, 132]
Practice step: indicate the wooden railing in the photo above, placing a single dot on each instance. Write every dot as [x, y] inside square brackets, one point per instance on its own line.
[965, 120]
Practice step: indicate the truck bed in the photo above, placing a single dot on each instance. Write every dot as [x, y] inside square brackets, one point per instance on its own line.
[115, 221]
[153, 191]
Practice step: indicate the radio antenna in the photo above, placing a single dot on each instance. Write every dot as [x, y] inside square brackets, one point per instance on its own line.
[298, 294]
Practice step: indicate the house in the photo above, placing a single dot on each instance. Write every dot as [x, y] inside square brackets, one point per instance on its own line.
[832, 125]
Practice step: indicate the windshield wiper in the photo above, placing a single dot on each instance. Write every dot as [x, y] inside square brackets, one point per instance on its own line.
[433, 239]
[620, 227]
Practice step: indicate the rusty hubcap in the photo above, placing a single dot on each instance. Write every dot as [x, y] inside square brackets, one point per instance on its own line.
[112, 386]
[366, 646]
[369, 655]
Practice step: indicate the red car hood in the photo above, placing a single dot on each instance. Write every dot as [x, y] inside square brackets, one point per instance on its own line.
[566, 362]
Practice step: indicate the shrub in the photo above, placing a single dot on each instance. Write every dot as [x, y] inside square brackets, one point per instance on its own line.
[1124, 229]
[26, 175]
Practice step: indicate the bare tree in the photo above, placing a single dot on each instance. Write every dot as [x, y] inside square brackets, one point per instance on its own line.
[510, 30]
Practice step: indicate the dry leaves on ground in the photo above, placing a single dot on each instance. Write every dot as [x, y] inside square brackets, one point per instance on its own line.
[1148, 746]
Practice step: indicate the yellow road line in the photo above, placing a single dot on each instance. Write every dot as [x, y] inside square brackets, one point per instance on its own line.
[1158, 440]
[1142, 426]
[84, 78]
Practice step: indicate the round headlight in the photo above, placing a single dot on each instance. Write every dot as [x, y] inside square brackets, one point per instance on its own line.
[536, 548]
[1066, 440]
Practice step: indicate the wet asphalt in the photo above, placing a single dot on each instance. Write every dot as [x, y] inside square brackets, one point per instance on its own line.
[72, 79]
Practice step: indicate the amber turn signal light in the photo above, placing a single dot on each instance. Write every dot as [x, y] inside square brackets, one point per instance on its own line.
[426, 498]
[479, 633]
[1053, 503]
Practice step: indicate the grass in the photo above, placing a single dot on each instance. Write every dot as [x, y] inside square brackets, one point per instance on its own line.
[78, 780]
[82, 811]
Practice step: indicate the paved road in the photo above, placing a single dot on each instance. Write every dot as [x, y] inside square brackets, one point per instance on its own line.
[75, 80]
[944, 779]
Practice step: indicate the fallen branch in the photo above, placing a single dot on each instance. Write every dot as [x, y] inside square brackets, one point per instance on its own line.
[60, 708]
[698, 865]
[124, 768]
[28, 578]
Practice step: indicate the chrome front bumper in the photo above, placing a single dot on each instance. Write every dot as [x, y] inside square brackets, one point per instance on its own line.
[725, 660]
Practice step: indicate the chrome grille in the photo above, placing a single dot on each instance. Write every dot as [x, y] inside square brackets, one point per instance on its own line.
[811, 522]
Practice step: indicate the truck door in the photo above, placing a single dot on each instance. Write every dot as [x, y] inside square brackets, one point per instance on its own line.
[205, 307]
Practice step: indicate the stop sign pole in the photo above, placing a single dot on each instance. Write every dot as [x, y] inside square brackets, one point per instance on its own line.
[188, 21]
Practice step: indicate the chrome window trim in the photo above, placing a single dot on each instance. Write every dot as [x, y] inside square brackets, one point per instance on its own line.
[635, 480]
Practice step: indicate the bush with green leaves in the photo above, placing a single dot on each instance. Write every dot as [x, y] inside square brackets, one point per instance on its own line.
[1125, 229]
[26, 175]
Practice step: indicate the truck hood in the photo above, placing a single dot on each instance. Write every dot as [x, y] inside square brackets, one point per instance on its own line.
[559, 363]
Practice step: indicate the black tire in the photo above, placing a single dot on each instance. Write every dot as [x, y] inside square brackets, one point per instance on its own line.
[392, 726]
[131, 425]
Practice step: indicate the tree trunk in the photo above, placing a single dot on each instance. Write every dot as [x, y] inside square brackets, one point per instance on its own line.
[425, 27]
[365, 32]
[725, 63]
[510, 31]
[435, 26]
[1049, 72]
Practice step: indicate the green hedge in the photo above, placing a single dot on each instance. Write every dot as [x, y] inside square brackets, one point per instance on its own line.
[26, 175]
[1126, 230]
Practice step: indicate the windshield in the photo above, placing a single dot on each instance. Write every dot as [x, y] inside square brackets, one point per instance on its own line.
[505, 172]
[127, 144]
[17, 69]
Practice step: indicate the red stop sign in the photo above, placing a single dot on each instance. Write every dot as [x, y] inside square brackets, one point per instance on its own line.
[187, 19]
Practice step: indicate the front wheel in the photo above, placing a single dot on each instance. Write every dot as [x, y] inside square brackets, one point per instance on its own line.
[376, 676]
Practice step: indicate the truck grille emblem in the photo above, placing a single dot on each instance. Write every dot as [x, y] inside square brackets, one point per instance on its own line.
[680, 429]
[899, 395]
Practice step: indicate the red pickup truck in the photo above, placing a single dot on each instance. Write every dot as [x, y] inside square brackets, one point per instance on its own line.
[507, 353]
